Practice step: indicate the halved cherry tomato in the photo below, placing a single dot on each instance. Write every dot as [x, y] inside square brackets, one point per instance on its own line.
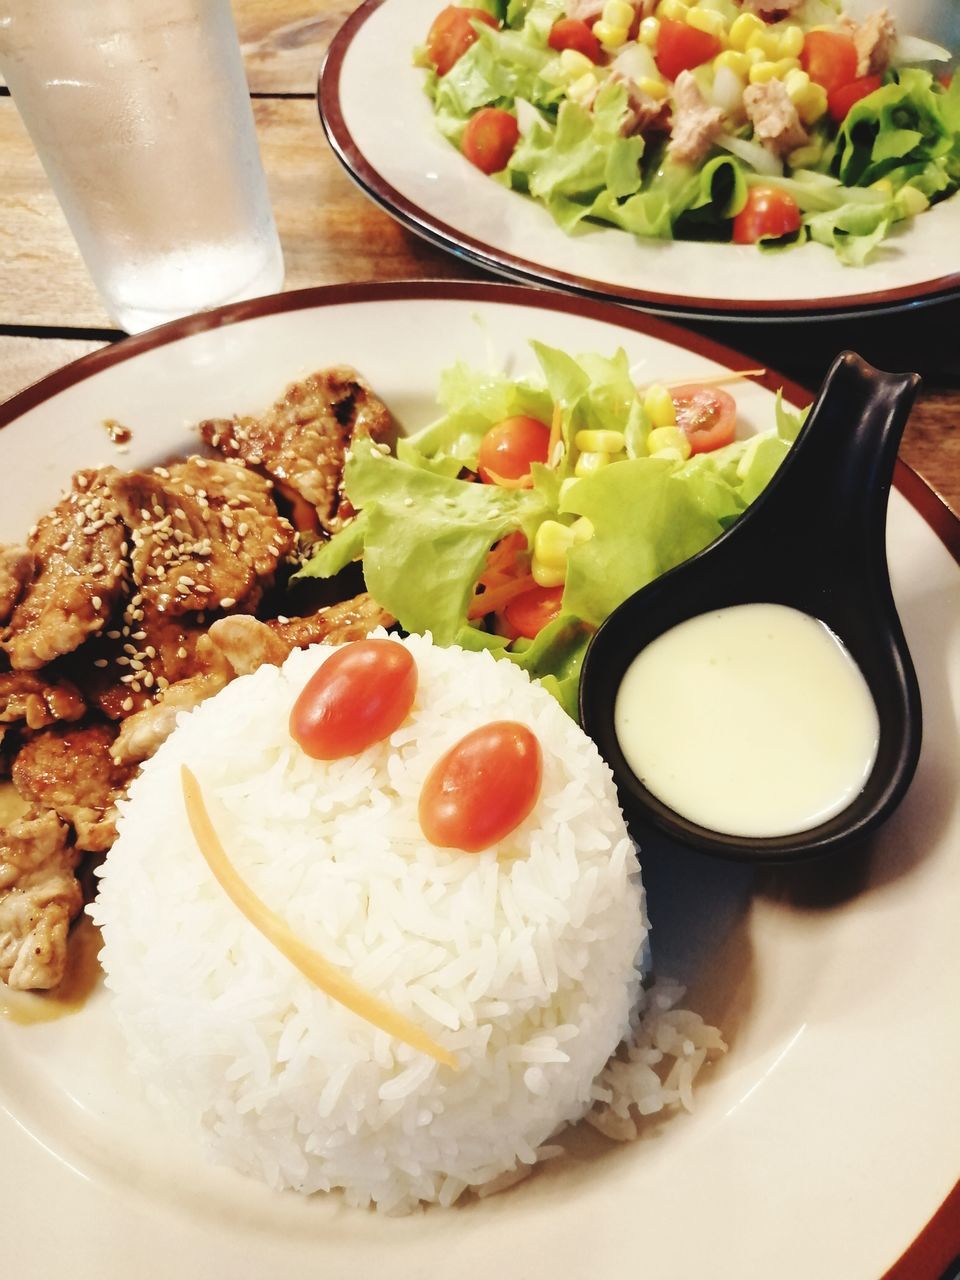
[483, 788]
[768, 212]
[358, 697]
[681, 47]
[571, 33]
[509, 449]
[845, 96]
[452, 34]
[528, 613]
[829, 58]
[706, 415]
[489, 139]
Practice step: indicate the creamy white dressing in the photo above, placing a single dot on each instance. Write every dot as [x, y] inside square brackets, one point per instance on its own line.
[751, 721]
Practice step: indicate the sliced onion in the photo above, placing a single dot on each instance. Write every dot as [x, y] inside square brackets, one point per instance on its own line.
[757, 156]
[727, 91]
[635, 62]
[916, 49]
[527, 116]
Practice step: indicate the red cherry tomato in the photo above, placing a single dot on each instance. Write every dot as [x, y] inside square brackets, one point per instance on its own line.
[571, 33]
[358, 697]
[829, 58]
[528, 613]
[768, 212]
[483, 788]
[845, 96]
[489, 139]
[681, 47]
[706, 415]
[509, 449]
[452, 34]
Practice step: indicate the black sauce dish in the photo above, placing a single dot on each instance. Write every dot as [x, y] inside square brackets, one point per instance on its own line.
[815, 540]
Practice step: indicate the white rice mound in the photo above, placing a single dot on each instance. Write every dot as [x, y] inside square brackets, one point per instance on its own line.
[522, 960]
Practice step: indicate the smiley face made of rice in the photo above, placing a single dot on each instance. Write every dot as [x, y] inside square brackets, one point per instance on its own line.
[521, 961]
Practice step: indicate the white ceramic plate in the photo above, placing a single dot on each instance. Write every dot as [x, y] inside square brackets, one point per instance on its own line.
[825, 1139]
[379, 122]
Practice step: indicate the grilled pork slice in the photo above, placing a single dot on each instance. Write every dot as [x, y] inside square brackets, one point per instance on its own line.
[39, 896]
[79, 551]
[301, 442]
[206, 535]
[36, 702]
[16, 570]
[237, 646]
[70, 770]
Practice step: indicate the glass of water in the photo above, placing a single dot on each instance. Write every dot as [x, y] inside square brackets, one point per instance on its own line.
[140, 113]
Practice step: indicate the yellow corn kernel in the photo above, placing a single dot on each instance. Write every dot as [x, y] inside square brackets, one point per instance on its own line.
[734, 61]
[803, 157]
[746, 25]
[588, 463]
[545, 575]
[653, 88]
[609, 36]
[767, 41]
[551, 543]
[618, 13]
[649, 32]
[582, 530]
[812, 103]
[795, 82]
[707, 20]
[658, 404]
[600, 441]
[575, 63]
[581, 89]
[791, 42]
[668, 441]
[762, 72]
[911, 201]
[675, 10]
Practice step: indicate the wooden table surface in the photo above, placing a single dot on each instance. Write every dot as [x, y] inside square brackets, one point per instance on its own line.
[50, 312]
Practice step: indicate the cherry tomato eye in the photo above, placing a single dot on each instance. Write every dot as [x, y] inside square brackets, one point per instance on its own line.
[706, 415]
[509, 449]
[358, 697]
[482, 788]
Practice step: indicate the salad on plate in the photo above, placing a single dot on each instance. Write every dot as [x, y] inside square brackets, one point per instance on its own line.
[756, 122]
[532, 508]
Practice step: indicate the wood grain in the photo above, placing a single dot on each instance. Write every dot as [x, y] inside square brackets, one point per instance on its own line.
[283, 41]
[331, 233]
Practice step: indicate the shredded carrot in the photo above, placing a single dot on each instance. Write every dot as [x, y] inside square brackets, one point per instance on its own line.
[495, 598]
[505, 482]
[331, 980]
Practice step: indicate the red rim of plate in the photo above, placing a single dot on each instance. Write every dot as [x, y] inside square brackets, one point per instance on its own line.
[440, 233]
[939, 1241]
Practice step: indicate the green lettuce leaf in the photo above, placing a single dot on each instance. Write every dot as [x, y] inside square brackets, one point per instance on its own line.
[426, 537]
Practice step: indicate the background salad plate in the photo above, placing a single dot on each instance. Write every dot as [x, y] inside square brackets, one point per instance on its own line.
[822, 1143]
[379, 122]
